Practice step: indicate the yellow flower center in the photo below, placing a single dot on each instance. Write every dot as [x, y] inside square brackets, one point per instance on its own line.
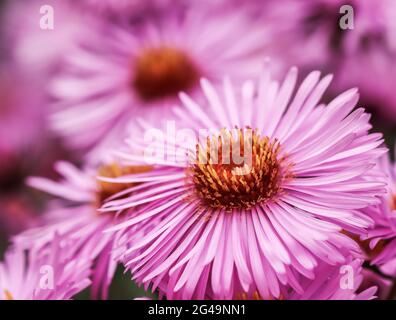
[114, 170]
[237, 169]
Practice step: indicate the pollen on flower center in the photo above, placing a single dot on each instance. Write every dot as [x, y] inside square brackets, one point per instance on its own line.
[114, 170]
[162, 72]
[236, 169]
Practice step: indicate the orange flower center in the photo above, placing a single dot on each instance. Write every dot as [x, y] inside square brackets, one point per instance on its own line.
[114, 170]
[163, 72]
[236, 169]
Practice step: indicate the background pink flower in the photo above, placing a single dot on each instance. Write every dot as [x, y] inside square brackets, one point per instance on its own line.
[120, 73]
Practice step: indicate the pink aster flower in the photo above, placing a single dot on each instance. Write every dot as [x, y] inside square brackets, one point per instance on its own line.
[120, 73]
[49, 275]
[225, 226]
[382, 246]
[76, 219]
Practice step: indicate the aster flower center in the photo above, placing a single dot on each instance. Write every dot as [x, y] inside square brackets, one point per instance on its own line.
[162, 72]
[114, 170]
[236, 169]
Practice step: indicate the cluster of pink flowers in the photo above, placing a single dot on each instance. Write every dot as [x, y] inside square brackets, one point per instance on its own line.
[197, 146]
